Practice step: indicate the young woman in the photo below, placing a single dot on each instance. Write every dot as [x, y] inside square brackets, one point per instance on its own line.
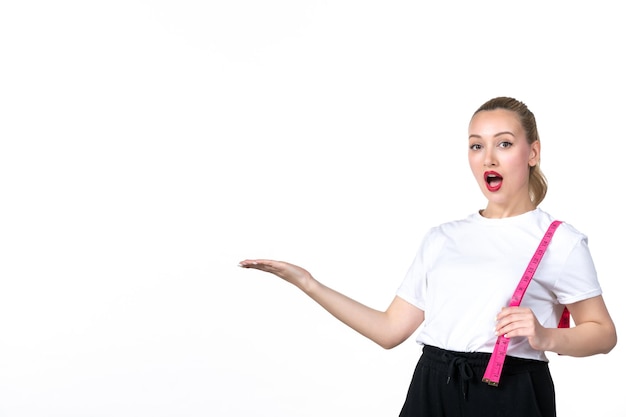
[464, 275]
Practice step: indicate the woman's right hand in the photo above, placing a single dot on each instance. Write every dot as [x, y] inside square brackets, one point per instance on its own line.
[293, 274]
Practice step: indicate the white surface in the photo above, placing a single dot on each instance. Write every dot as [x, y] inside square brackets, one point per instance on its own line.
[148, 146]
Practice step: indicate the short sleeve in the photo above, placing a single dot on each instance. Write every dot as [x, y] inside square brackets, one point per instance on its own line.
[578, 280]
[415, 283]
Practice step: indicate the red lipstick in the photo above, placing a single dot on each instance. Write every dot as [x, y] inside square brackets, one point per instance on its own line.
[493, 180]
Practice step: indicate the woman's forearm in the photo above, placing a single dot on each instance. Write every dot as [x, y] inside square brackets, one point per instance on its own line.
[582, 340]
[594, 332]
[386, 328]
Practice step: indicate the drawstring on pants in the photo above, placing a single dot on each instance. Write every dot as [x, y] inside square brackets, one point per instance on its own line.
[458, 364]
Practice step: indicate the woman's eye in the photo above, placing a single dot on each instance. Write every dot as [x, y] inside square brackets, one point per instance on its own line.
[475, 147]
[506, 144]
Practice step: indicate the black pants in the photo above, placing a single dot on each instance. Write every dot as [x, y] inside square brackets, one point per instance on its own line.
[449, 384]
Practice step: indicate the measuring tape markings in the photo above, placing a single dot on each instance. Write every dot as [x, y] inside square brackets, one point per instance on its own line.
[496, 361]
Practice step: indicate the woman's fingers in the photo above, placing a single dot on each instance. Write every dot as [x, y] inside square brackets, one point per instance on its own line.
[262, 264]
[516, 321]
[291, 273]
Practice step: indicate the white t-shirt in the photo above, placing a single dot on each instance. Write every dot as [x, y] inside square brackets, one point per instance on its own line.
[467, 270]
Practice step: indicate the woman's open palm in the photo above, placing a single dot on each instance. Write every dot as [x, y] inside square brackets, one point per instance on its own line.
[291, 273]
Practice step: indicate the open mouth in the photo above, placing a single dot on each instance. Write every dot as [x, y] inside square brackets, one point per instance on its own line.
[493, 180]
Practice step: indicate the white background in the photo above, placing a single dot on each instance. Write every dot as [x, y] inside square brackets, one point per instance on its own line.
[149, 146]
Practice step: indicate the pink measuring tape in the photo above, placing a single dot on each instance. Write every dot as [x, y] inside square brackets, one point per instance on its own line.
[496, 361]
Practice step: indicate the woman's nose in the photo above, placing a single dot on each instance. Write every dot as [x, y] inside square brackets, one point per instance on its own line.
[489, 159]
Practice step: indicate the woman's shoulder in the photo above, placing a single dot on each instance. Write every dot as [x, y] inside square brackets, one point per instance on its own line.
[566, 231]
[454, 227]
[535, 222]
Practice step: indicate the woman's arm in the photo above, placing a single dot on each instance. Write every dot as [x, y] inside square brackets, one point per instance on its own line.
[593, 333]
[386, 328]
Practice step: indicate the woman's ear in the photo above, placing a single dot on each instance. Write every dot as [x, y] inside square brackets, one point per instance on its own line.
[535, 152]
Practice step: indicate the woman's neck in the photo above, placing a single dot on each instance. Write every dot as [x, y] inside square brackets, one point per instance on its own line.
[494, 211]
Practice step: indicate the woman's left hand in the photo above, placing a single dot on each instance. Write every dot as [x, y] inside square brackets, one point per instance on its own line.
[520, 321]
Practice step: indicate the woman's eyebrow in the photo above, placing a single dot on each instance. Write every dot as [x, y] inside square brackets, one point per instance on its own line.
[506, 132]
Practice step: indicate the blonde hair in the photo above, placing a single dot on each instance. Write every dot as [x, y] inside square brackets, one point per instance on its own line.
[538, 184]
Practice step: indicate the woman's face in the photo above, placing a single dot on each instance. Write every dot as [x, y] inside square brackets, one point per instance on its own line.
[500, 158]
